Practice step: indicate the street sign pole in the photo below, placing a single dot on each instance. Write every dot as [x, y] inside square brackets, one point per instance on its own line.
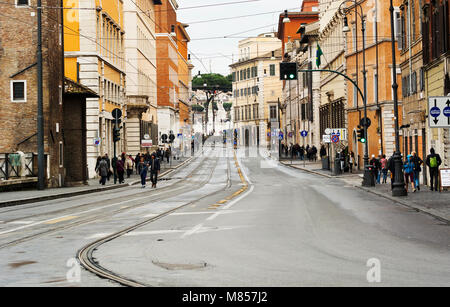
[115, 156]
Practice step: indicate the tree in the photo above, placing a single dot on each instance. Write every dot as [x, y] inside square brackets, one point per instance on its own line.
[197, 108]
[227, 106]
[212, 80]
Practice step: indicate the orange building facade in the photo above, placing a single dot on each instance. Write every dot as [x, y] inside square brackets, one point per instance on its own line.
[379, 72]
[167, 67]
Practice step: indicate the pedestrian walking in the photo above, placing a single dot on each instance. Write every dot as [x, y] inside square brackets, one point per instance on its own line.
[408, 168]
[97, 164]
[129, 165]
[433, 162]
[351, 161]
[323, 152]
[168, 153]
[417, 169]
[144, 169]
[374, 163]
[103, 170]
[120, 168]
[391, 167]
[155, 168]
[108, 161]
[384, 168]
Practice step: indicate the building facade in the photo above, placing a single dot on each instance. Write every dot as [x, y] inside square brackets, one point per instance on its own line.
[380, 74]
[256, 87]
[167, 68]
[436, 60]
[333, 92]
[19, 89]
[140, 52]
[95, 57]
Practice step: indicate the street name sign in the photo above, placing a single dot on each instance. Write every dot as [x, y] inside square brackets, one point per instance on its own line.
[439, 112]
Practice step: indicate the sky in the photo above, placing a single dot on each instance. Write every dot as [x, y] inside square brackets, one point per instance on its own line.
[216, 54]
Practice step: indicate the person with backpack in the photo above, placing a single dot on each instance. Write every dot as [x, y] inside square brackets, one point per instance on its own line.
[417, 169]
[408, 168]
[433, 162]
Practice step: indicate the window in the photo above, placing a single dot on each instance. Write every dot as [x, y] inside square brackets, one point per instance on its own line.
[19, 91]
[272, 69]
[248, 73]
[273, 113]
[61, 154]
[355, 95]
[22, 3]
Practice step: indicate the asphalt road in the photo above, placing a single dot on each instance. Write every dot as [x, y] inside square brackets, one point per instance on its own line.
[268, 225]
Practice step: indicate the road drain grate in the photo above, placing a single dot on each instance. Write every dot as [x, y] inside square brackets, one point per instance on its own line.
[180, 266]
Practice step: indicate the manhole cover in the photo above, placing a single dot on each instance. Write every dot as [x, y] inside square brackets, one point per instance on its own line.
[180, 266]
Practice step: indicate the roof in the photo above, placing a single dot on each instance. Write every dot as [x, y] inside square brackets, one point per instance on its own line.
[73, 88]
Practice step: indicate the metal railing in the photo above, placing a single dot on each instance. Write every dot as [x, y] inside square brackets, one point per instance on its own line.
[13, 166]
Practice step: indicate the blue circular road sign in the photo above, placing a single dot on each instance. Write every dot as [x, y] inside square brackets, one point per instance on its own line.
[304, 133]
[435, 112]
[447, 111]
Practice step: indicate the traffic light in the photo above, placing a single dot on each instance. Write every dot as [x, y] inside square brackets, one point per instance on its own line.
[171, 138]
[116, 134]
[361, 135]
[288, 71]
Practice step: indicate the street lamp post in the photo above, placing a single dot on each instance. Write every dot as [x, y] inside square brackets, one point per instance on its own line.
[368, 180]
[398, 186]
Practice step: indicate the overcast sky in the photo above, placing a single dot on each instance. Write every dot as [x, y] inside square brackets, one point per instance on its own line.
[217, 53]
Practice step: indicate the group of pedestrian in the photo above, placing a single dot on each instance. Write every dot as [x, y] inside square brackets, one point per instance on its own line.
[295, 151]
[412, 167]
[143, 163]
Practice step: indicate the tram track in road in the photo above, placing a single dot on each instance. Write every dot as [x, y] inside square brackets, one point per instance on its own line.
[110, 214]
[141, 195]
[86, 255]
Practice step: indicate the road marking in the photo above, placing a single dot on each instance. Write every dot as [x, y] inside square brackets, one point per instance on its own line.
[222, 201]
[81, 213]
[190, 213]
[20, 222]
[192, 231]
[63, 219]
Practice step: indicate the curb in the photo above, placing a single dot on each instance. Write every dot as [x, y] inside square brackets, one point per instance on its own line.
[309, 171]
[429, 211]
[24, 201]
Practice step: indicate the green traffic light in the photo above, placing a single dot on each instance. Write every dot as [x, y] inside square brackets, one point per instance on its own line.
[363, 140]
[292, 76]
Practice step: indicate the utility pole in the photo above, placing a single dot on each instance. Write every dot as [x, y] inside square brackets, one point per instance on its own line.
[398, 188]
[40, 106]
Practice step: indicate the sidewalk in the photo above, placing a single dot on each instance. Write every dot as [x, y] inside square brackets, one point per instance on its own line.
[27, 196]
[433, 203]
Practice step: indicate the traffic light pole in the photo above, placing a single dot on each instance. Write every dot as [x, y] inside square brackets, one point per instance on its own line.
[115, 152]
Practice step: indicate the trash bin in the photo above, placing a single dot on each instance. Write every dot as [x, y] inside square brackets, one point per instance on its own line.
[325, 165]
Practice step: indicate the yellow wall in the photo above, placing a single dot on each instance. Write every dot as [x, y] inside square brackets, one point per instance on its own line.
[70, 68]
[71, 26]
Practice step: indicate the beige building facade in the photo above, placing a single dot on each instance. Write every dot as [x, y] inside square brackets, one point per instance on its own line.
[256, 88]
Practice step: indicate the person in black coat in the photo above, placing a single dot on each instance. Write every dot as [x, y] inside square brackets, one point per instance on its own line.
[154, 167]
[433, 162]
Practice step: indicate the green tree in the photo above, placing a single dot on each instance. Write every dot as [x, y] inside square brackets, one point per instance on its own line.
[227, 106]
[212, 80]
